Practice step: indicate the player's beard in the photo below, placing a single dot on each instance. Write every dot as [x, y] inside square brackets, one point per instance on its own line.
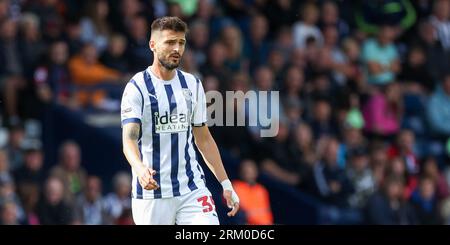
[166, 63]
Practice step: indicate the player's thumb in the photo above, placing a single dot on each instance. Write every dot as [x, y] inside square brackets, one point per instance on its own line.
[227, 196]
[152, 172]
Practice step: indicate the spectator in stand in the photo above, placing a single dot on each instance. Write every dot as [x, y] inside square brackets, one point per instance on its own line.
[397, 168]
[322, 123]
[352, 139]
[114, 56]
[8, 194]
[188, 64]
[293, 86]
[440, 19]
[94, 26]
[12, 71]
[52, 209]
[425, 202]
[381, 58]
[388, 206]
[331, 183]
[87, 71]
[263, 82]
[284, 43]
[307, 27]
[254, 197]
[72, 35]
[431, 170]
[330, 16]
[53, 80]
[138, 53]
[437, 59]
[215, 64]
[31, 171]
[8, 214]
[293, 111]
[231, 37]
[280, 14]
[126, 11]
[404, 147]
[118, 203]
[360, 174]
[30, 43]
[438, 115]
[334, 52]
[68, 170]
[29, 195]
[352, 67]
[256, 46]
[415, 74]
[276, 160]
[277, 63]
[198, 41]
[304, 153]
[383, 112]
[51, 17]
[89, 208]
[14, 146]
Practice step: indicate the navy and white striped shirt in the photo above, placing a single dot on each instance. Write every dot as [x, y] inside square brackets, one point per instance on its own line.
[166, 111]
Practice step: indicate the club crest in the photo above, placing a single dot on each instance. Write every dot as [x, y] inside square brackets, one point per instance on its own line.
[187, 93]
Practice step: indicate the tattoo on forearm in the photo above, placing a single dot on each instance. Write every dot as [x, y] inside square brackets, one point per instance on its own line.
[132, 132]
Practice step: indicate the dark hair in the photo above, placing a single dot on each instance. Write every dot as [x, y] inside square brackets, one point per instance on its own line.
[169, 23]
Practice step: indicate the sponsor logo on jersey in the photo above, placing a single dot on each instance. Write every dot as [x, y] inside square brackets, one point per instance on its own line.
[171, 123]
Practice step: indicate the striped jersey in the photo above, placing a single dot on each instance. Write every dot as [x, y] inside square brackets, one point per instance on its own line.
[166, 112]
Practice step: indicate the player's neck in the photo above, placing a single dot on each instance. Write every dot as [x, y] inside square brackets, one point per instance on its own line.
[161, 72]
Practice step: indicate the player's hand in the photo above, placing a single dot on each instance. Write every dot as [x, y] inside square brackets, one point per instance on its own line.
[232, 202]
[145, 177]
[231, 197]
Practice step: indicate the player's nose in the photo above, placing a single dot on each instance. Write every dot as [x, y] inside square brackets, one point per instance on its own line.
[177, 47]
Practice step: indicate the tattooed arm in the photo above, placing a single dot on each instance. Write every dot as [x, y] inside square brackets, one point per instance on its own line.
[130, 137]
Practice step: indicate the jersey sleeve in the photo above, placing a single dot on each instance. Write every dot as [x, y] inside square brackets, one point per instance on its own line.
[199, 113]
[132, 104]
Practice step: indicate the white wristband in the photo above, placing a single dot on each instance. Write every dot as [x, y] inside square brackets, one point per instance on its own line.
[226, 185]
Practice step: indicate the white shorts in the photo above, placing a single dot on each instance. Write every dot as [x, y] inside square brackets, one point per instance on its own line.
[194, 208]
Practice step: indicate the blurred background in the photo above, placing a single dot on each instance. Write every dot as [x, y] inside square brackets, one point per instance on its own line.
[365, 107]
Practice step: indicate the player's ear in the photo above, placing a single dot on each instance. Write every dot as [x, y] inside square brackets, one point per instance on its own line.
[151, 44]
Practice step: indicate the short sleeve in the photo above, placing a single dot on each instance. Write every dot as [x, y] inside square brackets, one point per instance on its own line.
[132, 104]
[199, 113]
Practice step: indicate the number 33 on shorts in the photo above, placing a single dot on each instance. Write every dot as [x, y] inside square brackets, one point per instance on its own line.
[208, 203]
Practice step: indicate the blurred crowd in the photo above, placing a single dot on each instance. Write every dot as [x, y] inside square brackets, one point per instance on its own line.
[364, 88]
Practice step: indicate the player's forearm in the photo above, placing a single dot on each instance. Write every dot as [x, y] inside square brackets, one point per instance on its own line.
[131, 152]
[130, 137]
[211, 155]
